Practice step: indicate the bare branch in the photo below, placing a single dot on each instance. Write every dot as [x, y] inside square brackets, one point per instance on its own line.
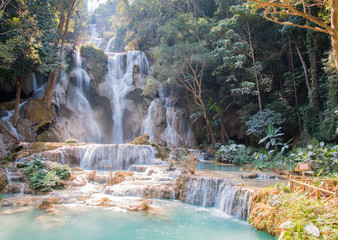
[287, 8]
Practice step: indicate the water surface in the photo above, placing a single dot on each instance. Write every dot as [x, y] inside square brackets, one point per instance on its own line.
[169, 220]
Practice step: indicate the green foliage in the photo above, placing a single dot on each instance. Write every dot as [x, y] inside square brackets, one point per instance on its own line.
[27, 32]
[273, 138]
[233, 153]
[323, 159]
[293, 215]
[259, 123]
[44, 175]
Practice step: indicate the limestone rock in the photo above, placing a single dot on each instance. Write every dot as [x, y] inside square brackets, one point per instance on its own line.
[141, 140]
[38, 112]
[45, 204]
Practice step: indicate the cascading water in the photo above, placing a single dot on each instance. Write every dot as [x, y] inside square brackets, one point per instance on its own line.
[102, 156]
[177, 131]
[94, 37]
[119, 82]
[78, 103]
[215, 192]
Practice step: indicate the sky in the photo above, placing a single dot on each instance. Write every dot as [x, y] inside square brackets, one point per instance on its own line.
[93, 4]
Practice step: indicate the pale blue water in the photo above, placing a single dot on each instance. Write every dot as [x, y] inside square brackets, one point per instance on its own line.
[173, 220]
[217, 167]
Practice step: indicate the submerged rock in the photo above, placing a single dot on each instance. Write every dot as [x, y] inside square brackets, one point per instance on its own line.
[45, 204]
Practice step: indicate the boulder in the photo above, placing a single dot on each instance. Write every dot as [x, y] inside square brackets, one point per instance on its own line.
[39, 113]
[45, 204]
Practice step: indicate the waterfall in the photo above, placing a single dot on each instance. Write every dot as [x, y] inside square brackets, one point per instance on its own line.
[78, 103]
[109, 44]
[119, 82]
[94, 36]
[177, 131]
[102, 156]
[214, 192]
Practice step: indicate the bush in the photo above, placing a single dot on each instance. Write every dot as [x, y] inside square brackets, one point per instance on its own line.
[258, 123]
[233, 153]
[44, 175]
[323, 160]
[71, 140]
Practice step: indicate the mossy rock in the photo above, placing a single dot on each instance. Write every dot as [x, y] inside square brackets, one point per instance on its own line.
[47, 136]
[3, 182]
[141, 140]
[136, 96]
[97, 64]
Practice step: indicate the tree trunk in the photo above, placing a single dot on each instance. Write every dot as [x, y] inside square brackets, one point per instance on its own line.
[75, 31]
[255, 73]
[307, 79]
[209, 127]
[314, 71]
[334, 27]
[17, 102]
[48, 96]
[295, 87]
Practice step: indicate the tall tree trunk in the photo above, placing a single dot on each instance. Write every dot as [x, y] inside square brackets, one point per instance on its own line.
[17, 102]
[295, 87]
[74, 40]
[206, 117]
[307, 79]
[334, 27]
[255, 72]
[314, 71]
[48, 96]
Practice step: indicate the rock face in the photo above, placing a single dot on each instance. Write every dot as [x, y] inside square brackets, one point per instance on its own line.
[38, 112]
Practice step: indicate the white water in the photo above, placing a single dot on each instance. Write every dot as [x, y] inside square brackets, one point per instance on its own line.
[78, 103]
[219, 193]
[119, 82]
[110, 45]
[177, 132]
[102, 156]
[94, 36]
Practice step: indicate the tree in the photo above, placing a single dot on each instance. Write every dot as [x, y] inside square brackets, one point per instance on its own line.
[25, 44]
[66, 11]
[235, 48]
[190, 76]
[315, 12]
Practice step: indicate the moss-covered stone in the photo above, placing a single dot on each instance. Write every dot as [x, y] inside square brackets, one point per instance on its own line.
[47, 136]
[3, 182]
[136, 96]
[141, 140]
[97, 64]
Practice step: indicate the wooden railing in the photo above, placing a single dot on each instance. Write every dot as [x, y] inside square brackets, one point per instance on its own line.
[324, 189]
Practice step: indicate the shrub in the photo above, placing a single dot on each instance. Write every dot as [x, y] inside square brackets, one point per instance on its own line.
[323, 160]
[258, 123]
[233, 153]
[71, 140]
[44, 175]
